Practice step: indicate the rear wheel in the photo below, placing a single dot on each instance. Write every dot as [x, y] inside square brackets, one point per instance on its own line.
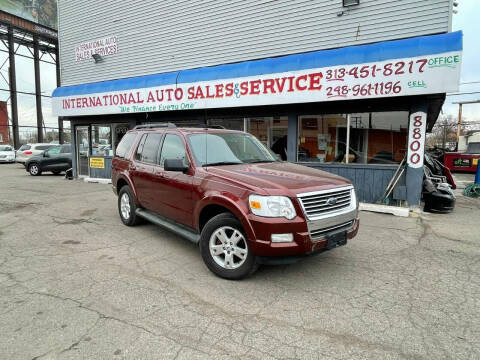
[127, 206]
[34, 169]
[224, 248]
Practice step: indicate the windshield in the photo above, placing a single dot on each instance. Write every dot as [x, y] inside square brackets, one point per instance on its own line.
[228, 149]
[5, 148]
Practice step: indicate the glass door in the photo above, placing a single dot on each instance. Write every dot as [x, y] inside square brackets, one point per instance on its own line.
[82, 141]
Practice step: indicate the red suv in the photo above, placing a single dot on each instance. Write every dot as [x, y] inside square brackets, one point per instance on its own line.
[227, 192]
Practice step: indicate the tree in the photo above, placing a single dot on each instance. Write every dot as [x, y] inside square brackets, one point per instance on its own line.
[444, 132]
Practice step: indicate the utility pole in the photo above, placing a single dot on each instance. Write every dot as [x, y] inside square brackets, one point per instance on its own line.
[460, 105]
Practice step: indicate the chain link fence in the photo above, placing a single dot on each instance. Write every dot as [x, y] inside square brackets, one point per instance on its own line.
[29, 135]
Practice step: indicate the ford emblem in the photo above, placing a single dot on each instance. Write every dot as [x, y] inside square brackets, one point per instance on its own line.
[331, 201]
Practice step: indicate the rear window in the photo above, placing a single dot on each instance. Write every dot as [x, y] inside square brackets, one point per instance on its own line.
[43, 147]
[125, 145]
[24, 147]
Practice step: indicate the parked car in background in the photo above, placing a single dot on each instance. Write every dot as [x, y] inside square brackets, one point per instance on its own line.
[56, 159]
[7, 154]
[28, 150]
[225, 191]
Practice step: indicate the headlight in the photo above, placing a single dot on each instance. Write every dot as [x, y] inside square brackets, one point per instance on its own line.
[272, 206]
[355, 198]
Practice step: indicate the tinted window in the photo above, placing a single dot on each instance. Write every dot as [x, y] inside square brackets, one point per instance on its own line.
[138, 154]
[150, 148]
[43, 147]
[5, 148]
[24, 147]
[172, 148]
[66, 149]
[125, 144]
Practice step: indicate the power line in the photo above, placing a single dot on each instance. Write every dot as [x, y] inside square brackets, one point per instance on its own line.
[464, 93]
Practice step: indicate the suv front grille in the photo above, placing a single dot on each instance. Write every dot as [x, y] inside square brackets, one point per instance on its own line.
[314, 234]
[324, 202]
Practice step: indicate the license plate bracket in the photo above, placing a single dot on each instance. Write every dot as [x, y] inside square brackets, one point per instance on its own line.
[336, 240]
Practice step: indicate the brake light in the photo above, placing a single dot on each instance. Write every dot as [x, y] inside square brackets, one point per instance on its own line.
[27, 152]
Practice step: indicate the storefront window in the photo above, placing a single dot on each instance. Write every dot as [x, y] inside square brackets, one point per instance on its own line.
[375, 138]
[228, 123]
[322, 138]
[378, 137]
[272, 132]
[118, 131]
[101, 136]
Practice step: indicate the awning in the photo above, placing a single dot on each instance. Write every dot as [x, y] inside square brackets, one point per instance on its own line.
[415, 66]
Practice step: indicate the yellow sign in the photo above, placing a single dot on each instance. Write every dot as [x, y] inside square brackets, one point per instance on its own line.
[97, 163]
[475, 161]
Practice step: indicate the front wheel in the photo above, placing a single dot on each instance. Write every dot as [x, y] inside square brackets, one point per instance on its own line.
[34, 170]
[224, 248]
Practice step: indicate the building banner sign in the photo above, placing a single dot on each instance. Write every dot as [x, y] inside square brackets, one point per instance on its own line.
[430, 74]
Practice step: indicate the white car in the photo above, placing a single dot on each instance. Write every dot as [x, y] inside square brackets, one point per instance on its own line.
[7, 154]
[28, 150]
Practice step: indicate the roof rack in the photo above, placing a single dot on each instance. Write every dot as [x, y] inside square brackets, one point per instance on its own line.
[154, 126]
[202, 126]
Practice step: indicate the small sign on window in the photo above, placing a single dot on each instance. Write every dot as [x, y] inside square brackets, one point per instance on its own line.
[97, 163]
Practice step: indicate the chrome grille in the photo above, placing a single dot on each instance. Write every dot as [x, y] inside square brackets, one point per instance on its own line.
[317, 204]
[322, 232]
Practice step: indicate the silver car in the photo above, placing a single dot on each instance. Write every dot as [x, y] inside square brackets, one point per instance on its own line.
[7, 154]
[28, 150]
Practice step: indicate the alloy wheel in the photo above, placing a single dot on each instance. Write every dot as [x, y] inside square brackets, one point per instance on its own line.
[125, 206]
[228, 247]
[33, 169]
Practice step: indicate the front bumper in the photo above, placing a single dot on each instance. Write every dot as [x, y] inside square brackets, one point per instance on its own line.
[303, 244]
[7, 160]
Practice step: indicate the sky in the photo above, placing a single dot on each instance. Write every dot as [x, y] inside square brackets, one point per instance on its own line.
[467, 20]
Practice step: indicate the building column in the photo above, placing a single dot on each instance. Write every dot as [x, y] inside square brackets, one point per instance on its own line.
[13, 88]
[38, 90]
[73, 142]
[415, 153]
[61, 136]
[292, 138]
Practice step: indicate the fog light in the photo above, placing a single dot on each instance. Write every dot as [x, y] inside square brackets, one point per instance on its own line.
[281, 238]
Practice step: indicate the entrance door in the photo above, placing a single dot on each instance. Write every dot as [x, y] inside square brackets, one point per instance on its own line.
[81, 141]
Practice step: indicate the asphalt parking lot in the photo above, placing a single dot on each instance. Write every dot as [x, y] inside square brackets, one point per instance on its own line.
[77, 284]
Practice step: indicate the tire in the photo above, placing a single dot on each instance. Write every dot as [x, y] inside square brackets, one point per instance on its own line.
[126, 210]
[34, 169]
[228, 263]
[56, 172]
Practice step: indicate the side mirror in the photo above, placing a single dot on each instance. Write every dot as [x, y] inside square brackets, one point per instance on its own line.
[175, 165]
[45, 154]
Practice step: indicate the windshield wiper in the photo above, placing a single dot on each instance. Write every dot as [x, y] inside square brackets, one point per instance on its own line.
[222, 163]
[259, 161]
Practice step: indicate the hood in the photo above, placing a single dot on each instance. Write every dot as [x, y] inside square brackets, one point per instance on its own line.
[279, 178]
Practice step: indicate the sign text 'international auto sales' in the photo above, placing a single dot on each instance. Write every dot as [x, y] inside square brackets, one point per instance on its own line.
[400, 77]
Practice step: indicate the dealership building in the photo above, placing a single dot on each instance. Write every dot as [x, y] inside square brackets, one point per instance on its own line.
[346, 86]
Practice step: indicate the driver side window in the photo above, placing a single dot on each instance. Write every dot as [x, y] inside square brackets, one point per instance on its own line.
[173, 148]
[54, 150]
